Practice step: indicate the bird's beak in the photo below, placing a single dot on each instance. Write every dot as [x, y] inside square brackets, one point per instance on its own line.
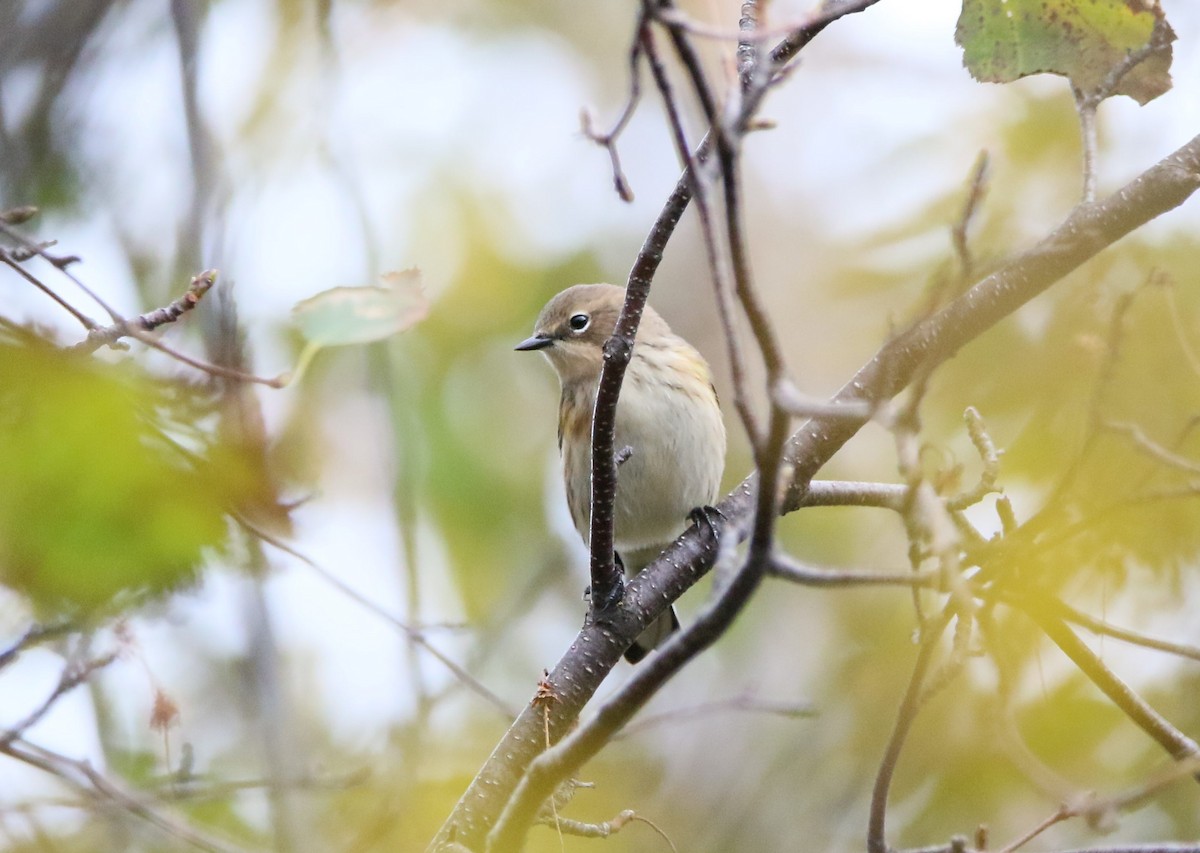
[538, 341]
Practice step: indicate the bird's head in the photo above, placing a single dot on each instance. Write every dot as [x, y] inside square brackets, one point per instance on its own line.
[572, 328]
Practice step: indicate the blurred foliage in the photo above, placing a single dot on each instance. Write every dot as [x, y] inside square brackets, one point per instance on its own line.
[96, 503]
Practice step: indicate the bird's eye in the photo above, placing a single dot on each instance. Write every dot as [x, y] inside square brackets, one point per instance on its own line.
[579, 322]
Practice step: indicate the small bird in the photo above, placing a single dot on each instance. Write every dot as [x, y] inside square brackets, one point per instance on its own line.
[667, 415]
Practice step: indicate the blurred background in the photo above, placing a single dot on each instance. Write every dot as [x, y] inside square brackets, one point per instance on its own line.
[299, 146]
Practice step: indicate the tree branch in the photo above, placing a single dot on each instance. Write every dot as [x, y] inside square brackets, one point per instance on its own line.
[85, 780]
[101, 336]
[1178, 745]
[909, 705]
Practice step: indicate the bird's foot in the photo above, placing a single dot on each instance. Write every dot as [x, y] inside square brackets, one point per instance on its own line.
[708, 518]
[612, 594]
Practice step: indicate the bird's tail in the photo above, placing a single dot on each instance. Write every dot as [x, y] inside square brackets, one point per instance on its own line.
[655, 635]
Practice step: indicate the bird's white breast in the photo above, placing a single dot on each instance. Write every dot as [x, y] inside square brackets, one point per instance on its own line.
[668, 415]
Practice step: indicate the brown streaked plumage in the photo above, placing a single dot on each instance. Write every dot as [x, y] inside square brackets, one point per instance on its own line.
[667, 414]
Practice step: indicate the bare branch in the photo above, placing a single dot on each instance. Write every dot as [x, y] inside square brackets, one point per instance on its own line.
[148, 322]
[1178, 745]
[1152, 448]
[788, 568]
[1099, 811]
[1099, 626]
[608, 140]
[976, 188]
[842, 493]
[1086, 231]
[1086, 103]
[85, 780]
[72, 676]
[739, 704]
[1086, 108]
[608, 827]
[12, 261]
[33, 636]
[61, 263]
[798, 404]
[414, 634]
[909, 705]
[210, 368]
[713, 246]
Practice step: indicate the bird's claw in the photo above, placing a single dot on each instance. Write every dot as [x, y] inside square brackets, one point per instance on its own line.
[612, 596]
[708, 518]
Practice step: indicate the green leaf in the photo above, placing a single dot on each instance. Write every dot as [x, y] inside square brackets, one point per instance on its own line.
[1084, 40]
[94, 501]
[359, 315]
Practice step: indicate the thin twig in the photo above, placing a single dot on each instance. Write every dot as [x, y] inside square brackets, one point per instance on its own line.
[8, 258]
[791, 569]
[738, 704]
[72, 676]
[191, 787]
[1098, 811]
[830, 493]
[681, 20]
[415, 635]
[151, 320]
[61, 263]
[609, 827]
[608, 140]
[976, 188]
[909, 705]
[1147, 445]
[33, 636]
[1107, 629]
[210, 368]
[1177, 323]
[85, 780]
[1086, 108]
[713, 247]
[1086, 103]
[800, 405]
[748, 44]
[1061, 814]
[1178, 745]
